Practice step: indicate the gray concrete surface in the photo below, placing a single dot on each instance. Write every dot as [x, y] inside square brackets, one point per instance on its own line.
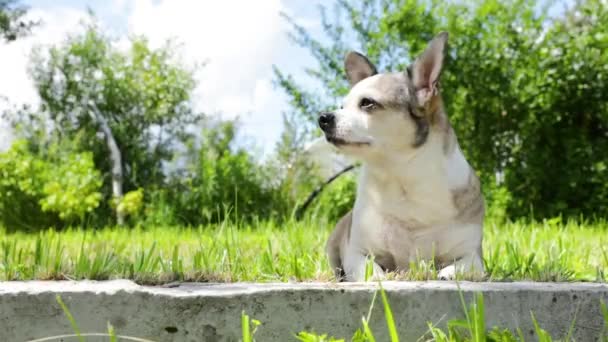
[211, 312]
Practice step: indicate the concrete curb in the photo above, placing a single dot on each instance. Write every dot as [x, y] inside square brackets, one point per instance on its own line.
[211, 312]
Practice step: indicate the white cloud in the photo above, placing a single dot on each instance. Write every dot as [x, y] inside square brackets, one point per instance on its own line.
[15, 84]
[239, 40]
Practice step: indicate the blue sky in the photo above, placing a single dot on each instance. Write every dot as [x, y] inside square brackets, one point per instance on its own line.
[238, 46]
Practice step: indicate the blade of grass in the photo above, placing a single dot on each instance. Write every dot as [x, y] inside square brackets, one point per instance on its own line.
[543, 335]
[367, 331]
[371, 306]
[604, 310]
[464, 305]
[390, 322]
[520, 334]
[369, 268]
[70, 317]
[479, 319]
[111, 333]
[246, 332]
[571, 329]
[438, 335]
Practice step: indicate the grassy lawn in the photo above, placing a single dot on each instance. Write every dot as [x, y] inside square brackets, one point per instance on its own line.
[265, 251]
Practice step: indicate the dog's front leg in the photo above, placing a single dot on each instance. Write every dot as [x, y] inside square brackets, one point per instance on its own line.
[356, 266]
[469, 265]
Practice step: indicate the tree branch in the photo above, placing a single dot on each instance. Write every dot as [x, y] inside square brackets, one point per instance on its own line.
[317, 191]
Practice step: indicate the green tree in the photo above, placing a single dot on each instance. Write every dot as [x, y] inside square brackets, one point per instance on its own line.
[526, 93]
[132, 106]
[12, 23]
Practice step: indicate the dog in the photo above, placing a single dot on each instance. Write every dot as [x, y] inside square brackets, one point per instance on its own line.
[417, 196]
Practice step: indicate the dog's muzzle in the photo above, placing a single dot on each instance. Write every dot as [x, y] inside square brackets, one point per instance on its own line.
[327, 122]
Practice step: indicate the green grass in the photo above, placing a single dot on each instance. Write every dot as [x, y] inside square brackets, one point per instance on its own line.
[266, 251]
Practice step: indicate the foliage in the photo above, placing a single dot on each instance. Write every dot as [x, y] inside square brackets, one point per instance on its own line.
[497, 198]
[143, 94]
[72, 187]
[132, 202]
[337, 199]
[296, 175]
[526, 93]
[35, 191]
[221, 181]
[20, 189]
[12, 23]
[171, 175]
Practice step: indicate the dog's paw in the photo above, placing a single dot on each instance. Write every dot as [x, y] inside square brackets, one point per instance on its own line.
[447, 273]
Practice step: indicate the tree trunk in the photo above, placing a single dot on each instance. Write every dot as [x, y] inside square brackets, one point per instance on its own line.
[115, 159]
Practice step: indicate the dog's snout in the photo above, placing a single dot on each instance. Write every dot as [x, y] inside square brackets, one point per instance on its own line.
[327, 121]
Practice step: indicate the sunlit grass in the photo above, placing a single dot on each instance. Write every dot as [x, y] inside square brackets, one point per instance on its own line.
[267, 251]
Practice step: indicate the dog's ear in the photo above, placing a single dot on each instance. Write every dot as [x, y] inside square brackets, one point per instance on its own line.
[358, 67]
[427, 68]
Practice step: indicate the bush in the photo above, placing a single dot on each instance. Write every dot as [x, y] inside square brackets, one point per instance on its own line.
[131, 203]
[220, 182]
[56, 189]
[71, 187]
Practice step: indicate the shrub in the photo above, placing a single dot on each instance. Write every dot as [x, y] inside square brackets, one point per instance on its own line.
[38, 191]
[220, 182]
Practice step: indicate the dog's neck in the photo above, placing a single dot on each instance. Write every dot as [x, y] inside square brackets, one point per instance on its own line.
[437, 164]
[410, 167]
[416, 189]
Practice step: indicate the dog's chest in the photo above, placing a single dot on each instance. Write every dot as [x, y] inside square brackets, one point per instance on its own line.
[395, 242]
[422, 203]
[402, 223]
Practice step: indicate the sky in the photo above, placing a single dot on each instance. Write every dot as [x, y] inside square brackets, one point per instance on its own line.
[238, 40]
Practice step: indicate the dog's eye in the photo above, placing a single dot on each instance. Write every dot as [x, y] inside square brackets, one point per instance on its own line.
[367, 104]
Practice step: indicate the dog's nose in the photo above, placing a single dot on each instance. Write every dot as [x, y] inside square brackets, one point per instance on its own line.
[327, 121]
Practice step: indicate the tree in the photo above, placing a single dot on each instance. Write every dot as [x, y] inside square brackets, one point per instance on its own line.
[12, 23]
[526, 93]
[132, 106]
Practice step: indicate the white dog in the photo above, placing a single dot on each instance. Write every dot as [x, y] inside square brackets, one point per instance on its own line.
[417, 196]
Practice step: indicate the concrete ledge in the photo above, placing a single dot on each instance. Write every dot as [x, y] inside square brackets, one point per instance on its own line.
[211, 312]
